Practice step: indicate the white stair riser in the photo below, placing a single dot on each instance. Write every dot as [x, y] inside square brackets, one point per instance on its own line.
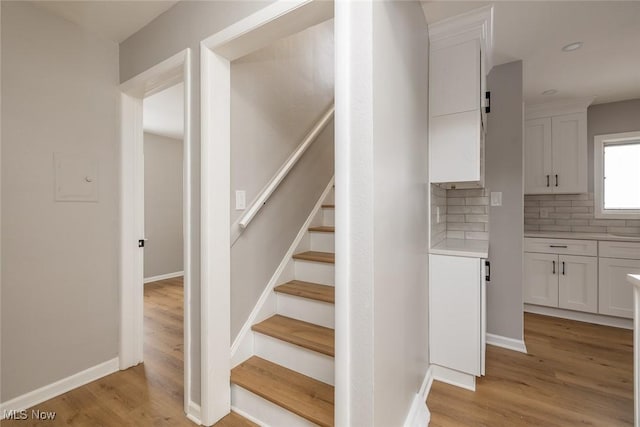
[268, 413]
[328, 216]
[316, 272]
[312, 311]
[323, 242]
[307, 362]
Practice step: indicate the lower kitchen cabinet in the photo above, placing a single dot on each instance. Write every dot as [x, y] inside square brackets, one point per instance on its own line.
[457, 313]
[578, 283]
[616, 295]
[564, 281]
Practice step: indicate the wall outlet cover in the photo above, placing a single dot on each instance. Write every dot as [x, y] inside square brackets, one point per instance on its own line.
[241, 200]
[544, 213]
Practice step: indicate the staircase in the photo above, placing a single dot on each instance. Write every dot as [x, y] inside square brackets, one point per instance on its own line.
[289, 380]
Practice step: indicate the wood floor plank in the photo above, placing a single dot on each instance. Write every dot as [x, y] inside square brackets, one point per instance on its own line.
[323, 229]
[235, 420]
[302, 395]
[304, 334]
[314, 291]
[575, 373]
[326, 257]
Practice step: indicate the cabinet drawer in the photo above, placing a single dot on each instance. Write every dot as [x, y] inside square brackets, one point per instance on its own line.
[626, 250]
[561, 246]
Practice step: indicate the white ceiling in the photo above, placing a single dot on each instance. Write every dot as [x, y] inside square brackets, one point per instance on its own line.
[163, 112]
[607, 66]
[114, 20]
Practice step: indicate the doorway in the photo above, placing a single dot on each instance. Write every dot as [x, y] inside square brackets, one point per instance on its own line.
[170, 78]
[163, 251]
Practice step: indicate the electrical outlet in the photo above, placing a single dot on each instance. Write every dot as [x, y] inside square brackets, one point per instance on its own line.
[437, 214]
[544, 212]
[241, 200]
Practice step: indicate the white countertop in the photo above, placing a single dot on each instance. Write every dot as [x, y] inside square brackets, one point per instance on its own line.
[634, 279]
[462, 247]
[583, 236]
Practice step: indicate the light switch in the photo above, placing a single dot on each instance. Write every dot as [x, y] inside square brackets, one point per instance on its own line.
[241, 200]
[496, 198]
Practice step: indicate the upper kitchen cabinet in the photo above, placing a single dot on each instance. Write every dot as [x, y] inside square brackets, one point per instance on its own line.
[555, 148]
[459, 61]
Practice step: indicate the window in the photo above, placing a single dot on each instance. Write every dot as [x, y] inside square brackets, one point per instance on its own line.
[617, 175]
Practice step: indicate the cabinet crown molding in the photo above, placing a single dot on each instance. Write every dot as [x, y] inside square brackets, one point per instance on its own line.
[475, 24]
[557, 108]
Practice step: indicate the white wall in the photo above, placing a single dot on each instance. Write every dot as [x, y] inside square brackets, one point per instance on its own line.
[381, 176]
[163, 251]
[60, 272]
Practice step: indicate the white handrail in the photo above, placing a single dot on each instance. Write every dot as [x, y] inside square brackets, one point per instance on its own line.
[284, 170]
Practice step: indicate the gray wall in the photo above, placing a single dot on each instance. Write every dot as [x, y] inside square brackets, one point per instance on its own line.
[270, 234]
[163, 252]
[60, 260]
[504, 169]
[614, 117]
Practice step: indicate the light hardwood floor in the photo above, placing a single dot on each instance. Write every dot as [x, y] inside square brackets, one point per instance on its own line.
[150, 394]
[575, 374]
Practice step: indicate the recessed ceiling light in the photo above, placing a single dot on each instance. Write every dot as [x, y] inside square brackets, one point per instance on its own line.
[572, 46]
[550, 92]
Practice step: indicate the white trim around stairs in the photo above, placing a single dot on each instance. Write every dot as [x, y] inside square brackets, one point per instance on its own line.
[419, 415]
[59, 387]
[506, 342]
[242, 347]
[163, 276]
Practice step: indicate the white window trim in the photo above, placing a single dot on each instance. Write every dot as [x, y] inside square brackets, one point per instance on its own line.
[599, 141]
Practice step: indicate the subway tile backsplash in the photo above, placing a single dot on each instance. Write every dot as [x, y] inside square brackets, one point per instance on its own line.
[571, 212]
[438, 200]
[468, 214]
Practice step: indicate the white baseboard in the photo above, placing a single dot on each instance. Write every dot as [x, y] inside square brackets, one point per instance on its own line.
[506, 342]
[193, 413]
[419, 415]
[598, 319]
[163, 276]
[453, 377]
[59, 387]
[243, 339]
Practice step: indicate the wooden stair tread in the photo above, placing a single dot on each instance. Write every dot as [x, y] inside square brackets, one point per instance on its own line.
[314, 291]
[323, 229]
[327, 257]
[329, 206]
[234, 420]
[302, 395]
[304, 334]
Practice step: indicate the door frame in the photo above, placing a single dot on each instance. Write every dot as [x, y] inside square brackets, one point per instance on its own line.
[276, 21]
[157, 78]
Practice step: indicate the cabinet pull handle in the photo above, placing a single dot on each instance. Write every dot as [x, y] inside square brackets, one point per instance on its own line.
[488, 275]
[554, 267]
[556, 180]
[563, 268]
[547, 180]
[558, 246]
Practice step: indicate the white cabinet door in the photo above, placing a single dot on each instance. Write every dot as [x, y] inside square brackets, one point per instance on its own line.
[454, 80]
[616, 293]
[541, 279]
[578, 283]
[454, 313]
[454, 147]
[569, 137]
[537, 156]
